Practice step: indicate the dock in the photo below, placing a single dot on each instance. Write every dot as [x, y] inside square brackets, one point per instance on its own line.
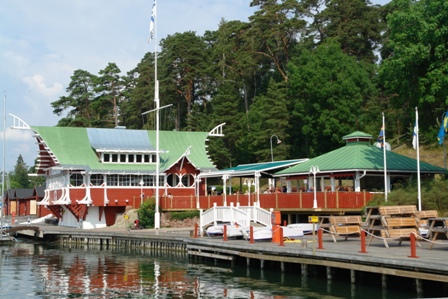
[423, 265]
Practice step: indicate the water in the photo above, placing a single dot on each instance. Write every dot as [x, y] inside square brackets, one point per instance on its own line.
[29, 270]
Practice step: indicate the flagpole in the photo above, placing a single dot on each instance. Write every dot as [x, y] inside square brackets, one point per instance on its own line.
[384, 159]
[156, 99]
[3, 162]
[416, 132]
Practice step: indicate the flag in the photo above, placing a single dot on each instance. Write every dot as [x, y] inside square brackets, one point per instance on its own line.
[443, 128]
[380, 139]
[414, 137]
[152, 25]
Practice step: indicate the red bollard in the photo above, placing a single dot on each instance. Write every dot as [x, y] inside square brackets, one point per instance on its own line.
[196, 227]
[363, 242]
[319, 239]
[251, 234]
[413, 250]
[281, 243]
[224, 235]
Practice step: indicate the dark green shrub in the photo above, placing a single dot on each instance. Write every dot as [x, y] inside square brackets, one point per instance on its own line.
[433, 196]
[146, 213]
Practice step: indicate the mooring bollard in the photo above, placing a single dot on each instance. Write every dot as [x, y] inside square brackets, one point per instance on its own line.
[224, 235]
[319, 239]
[196, 226]
[251, 234]
[413, 250]
[281, 243]
[363, 242]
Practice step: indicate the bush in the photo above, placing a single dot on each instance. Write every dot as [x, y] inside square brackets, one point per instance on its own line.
[433, 196]
[146, 213]
[184, 215]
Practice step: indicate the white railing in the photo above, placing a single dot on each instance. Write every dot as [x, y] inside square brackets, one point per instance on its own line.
[242, 215]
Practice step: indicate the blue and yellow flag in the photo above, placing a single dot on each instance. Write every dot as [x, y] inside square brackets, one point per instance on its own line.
[443, 128]
[380, 139]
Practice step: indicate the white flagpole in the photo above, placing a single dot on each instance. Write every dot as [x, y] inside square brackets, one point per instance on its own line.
[156, 99]
[416, 131]
[384, 160]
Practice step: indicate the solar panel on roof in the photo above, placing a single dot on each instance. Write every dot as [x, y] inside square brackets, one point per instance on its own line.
[119, 139]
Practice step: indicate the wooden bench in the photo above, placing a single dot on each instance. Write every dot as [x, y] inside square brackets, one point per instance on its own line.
[408, 210]
[345, 226]
[399, 228]
[423, 216]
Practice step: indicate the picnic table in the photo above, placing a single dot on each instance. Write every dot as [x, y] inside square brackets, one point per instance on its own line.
[377, 221]
[435, 227]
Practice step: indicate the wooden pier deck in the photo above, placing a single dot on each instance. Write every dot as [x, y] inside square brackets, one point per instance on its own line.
[425, 265]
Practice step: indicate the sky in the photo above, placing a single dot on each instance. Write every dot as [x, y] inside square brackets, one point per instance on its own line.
[43, 42]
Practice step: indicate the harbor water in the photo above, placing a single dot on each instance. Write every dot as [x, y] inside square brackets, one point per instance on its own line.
[36, 270]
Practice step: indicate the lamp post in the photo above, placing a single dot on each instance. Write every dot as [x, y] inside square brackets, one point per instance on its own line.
[278, 142]
[248, 183]
[141, 192]
[314, 170]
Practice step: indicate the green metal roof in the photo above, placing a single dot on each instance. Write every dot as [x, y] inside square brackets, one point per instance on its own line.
[73, 149]
[251, 169]
[361, 156]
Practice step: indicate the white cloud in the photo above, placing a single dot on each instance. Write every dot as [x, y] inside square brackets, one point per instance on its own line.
[36, 83]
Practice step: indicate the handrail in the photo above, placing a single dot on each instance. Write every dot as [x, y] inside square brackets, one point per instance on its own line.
[242, 215]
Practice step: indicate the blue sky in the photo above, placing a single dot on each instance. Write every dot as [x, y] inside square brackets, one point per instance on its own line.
[43, 42]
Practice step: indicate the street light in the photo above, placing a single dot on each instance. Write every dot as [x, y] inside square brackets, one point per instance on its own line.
[314, 170]
[278, 142]
[248, 183]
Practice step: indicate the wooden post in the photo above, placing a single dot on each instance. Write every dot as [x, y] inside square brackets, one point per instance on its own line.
[363, 242]
[281, 237]
[225, 233]
[319, 238]
[196, 226]
[413, 250]
[251, 234]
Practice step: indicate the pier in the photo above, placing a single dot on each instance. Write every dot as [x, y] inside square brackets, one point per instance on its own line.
[422, 267]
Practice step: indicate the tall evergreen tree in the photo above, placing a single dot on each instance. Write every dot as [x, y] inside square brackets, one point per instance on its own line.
[355, 24]
[80, 94]
[275, 28]
[108, 88]
[19, 178]
[183, 60]
[269, 115]
[328, 89]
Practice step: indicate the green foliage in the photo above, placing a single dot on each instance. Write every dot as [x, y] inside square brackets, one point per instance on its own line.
[184, 215]
[415, 72]
[353, 23]
[433, 196]
[328, 89]
[146, 213]
[19, 177]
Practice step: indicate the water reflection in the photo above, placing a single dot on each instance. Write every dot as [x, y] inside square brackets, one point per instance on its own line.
[48, 271]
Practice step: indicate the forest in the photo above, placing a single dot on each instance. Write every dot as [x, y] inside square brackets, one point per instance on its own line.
[305, 71]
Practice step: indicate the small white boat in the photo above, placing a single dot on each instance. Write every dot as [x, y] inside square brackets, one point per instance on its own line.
[307, 228]
[292, 233]
[233, 231]
[260, 233]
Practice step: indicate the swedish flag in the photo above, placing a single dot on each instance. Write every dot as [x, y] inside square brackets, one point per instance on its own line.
[380, 139]
[443, 128]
